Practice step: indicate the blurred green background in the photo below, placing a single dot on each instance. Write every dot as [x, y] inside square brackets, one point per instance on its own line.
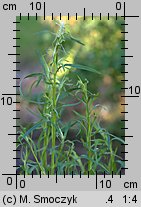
[102, 51]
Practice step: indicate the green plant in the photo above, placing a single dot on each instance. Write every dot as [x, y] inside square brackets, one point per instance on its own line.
[53, 150]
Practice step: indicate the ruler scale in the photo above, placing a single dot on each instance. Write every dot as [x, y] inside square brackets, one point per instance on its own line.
[13, 186]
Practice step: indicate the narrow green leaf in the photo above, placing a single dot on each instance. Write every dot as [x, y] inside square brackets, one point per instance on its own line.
[82, 67]
[45, 66]
[76, 40]
[103, 167]
[38, 81]
[31, 87]
[44, 32]
[33, 75]
[116, 138]
[73, 89]
[71, 104]
[79, 115]
[36, 126]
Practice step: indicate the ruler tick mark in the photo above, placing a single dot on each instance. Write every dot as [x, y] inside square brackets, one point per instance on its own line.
[130, 16]
[124, 11]
[124, 144]
[10, 94]
[16, 38]
[16, 78]
[131, 96]
[124, 24]
[96, 179]
[124, 72]
[44, 11]
[76, 16]
[124, 120]
[16, 180]
[16, 46]
[124, 40]
[127, 56]
[14, 54]
[16, 158]
[124, 152]
[14, 134]
[56, 176]
[84, 14]
[124, 104]
[16, 110]
[16, 22]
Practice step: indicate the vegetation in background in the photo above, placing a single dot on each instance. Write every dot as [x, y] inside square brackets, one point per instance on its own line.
[53, 150]
[102, 51]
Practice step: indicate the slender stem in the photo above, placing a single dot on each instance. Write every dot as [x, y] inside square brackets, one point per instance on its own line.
[53, 124]
[88, 136]
[54, 100]
[46, 137]
[89, 129]
[45, 143]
